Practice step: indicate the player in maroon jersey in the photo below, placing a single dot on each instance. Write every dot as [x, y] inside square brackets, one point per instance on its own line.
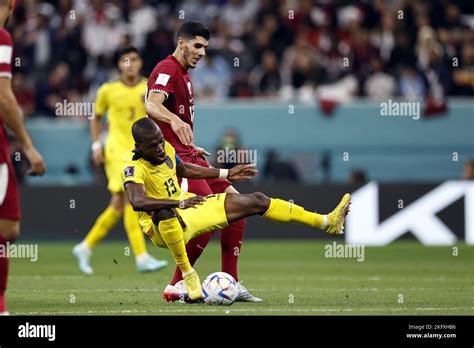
[10, 115]
[170, 101]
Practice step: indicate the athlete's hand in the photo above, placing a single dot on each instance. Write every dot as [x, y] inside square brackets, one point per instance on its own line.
[36, 161]
[182, 130]
[202, 152]
[242, 172]
[98, 157]
[191, 202]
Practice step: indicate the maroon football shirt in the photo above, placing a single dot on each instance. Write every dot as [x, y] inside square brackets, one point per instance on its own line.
[173, 81]
[6, 51]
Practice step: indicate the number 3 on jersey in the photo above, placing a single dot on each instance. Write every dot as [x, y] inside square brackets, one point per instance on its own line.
[170, 187]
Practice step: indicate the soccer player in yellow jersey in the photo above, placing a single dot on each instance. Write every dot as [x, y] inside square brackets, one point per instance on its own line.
[171, 217]
[123, 100]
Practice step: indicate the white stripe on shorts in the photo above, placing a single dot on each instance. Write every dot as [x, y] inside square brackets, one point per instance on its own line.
[3, 181]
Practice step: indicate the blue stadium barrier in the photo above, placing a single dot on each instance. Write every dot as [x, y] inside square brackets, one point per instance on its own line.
[387, 148]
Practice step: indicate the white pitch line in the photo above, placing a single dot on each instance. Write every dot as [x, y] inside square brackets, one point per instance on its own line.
[315, 278]
[339, 278]
[87, 290]
[37, 276]
[252, 289]
[245, 310]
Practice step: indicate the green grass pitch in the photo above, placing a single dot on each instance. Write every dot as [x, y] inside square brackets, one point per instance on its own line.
[293, 278]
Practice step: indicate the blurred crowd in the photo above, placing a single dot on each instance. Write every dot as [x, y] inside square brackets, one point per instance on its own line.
[286, 49]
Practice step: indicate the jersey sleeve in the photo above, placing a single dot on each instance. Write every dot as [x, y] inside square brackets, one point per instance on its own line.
[133, 173]
[101, 104]
[6, 54]
[165, 80]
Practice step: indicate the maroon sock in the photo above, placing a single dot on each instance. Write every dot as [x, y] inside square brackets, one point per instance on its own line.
[194, 249]
[231, 242]
[3, 274]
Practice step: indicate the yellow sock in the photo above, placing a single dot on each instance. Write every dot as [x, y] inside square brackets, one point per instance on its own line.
[102, 226]
[172, 234]
[283, 211]
[134, 231]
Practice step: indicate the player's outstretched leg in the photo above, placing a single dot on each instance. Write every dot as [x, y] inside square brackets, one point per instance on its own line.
[238, 206]
[172, 233]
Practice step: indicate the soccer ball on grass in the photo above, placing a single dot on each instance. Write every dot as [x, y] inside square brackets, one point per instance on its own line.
[220, 289]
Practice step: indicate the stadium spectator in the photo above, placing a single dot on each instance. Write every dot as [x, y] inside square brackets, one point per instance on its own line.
[411, 85]
[235, 13]
[311, 40]
[38, 45]
[103, 30]
[227, 152]
[24, 94]
[379, 85]
[265, 78]
[403, 53]
[357, 177]
[277, 170]
[203, 11]
[211, 79]
[142, 21]
[463, 76]
[58, 89]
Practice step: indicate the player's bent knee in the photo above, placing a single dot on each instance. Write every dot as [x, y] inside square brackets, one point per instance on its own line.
[162, 214]
[262, 202]
[11, 232]
[117, 203]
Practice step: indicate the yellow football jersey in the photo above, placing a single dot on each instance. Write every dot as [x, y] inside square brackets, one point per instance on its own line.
[124, 105]
[160, 181]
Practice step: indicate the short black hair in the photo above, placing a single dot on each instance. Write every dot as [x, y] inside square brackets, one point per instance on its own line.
[142, 128]
[190, 30]
[124, 51]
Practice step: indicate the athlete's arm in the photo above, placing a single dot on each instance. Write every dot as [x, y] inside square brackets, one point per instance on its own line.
[10, 111]
[97, 151]
[193, 171]
[140, 202]
[101, 107]
[156, 110]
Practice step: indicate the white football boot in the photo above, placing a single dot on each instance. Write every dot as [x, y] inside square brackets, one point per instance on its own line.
[83, 254]
[177, 292]
[147, 263]
[245, 296]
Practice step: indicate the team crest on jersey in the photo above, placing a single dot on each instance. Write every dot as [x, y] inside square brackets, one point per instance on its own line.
[169, 162]
[162, 79]
[129, 171]
[5, 54]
